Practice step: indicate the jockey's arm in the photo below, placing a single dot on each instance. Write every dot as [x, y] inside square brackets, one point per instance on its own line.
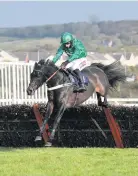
[58, 54]
[79, 52]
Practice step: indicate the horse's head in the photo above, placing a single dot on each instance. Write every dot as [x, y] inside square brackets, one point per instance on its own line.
[37, 77]
[41, 72]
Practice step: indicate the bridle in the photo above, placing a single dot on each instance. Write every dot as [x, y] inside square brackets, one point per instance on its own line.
[52, 75]
[39, 71]
[55, 87]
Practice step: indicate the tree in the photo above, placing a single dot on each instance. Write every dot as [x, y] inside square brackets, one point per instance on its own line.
[94, 19]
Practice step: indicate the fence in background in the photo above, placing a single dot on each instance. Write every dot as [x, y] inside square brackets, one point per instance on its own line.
[15, 77]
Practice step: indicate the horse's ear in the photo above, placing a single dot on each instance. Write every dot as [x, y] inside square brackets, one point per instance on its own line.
[35, 65]
[41, 62]
[47, 61]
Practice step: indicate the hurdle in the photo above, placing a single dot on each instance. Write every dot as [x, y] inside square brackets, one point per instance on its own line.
[39, 120]
[114, 127]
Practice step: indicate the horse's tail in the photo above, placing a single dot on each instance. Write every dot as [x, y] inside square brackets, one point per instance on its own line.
[115, 72]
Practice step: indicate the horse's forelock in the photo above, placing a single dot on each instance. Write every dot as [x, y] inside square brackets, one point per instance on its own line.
[41, 62]
[35, 65]
[39, 65]
[48, 64]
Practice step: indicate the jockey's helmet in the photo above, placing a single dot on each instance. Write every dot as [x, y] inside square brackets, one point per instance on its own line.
[66, 37]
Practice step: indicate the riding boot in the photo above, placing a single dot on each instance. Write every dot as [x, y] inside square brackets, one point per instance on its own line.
[82, 87]
[76, 85]
[76, 88]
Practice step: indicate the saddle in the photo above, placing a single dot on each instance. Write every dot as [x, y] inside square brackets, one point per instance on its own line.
[74, 79]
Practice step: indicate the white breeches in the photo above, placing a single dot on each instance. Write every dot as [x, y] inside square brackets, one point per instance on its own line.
[78, 64]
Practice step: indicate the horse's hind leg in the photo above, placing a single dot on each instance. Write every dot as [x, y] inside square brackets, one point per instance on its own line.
[99, 99]
[105, 103]
[100, 103]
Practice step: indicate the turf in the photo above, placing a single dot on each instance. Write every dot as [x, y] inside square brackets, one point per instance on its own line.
[68, 162]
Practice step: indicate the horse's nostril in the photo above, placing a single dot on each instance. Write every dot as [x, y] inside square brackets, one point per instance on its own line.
[29, 91]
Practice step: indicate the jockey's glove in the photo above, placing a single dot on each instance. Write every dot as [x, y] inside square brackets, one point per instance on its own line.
[64, 64]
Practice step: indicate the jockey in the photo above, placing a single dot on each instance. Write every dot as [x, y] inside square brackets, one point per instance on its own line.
[76, 60]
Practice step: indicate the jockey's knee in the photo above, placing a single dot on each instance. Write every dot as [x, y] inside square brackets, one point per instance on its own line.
[76, 67]
[69, 65]
[69, 68]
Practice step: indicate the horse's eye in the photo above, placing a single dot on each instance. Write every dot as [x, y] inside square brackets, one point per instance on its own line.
[33, 75]
[39, 74]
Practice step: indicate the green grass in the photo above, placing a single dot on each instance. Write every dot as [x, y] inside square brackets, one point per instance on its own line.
[68, 162]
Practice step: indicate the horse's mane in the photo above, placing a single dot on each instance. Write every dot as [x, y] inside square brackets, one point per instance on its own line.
[99, 65]
[52, 64]
[48, 63]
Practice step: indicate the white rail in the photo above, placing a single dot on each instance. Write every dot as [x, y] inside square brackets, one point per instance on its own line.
[15, 77]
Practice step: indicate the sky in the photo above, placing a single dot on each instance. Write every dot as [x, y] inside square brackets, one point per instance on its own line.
[19, 14]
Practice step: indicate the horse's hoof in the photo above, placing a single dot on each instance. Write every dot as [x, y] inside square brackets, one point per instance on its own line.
[38, 138]
[48, 144]
[100, 104]
[105, 105]
[75, 91]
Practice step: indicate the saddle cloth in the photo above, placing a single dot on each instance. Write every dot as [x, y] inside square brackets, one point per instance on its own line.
[74, 78]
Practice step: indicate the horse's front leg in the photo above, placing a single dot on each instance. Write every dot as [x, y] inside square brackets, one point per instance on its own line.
[58, 117]
[49, 111]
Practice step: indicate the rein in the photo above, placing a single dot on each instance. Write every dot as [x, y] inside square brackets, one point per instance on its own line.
[52, 75]
[56, 87]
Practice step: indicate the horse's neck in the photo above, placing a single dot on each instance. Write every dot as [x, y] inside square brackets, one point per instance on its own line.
[58, 78]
